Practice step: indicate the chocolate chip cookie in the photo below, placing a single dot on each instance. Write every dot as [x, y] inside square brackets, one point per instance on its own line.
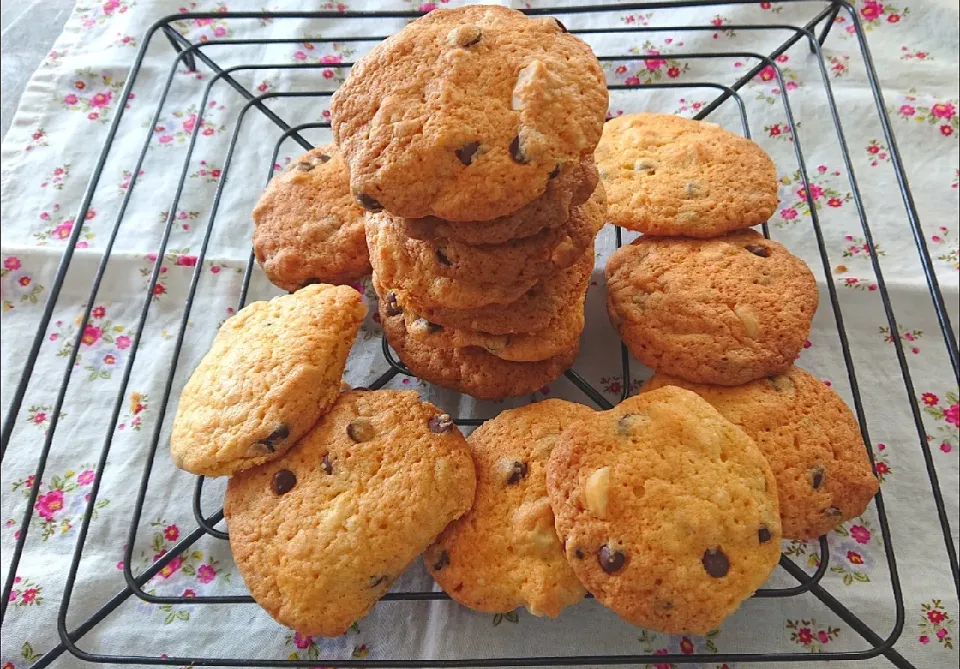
[504, 552]
[442, 273]
[274, 368]
[307, 226]
[667, 511]
[466, 113]
[723, 311]
[550, 210]
[471, 370]
[811, 440]
[320, 534]
[533, 311]
[668, 175]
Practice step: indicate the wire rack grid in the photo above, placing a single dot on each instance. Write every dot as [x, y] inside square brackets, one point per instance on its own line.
[203, 55]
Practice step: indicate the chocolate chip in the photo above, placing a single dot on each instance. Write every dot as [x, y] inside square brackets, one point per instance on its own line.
[516, 151]
[466, 152]
[278, 435]
[327, 464]
[377, 580]
[554, 173]
[757, 250]
[322, 157]
[369, 203]
[610, 560]
[715, 562]
[832, 512]
[816, 477]
[764, 535]
[578, 553]
[393, 305]
[283, 482]
[443, 259]
[360, 430]
[518, 472]
[562, 27]
[440, 424]
[442, 561]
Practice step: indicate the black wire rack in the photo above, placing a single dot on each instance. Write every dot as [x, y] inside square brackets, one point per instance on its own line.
[202, 55]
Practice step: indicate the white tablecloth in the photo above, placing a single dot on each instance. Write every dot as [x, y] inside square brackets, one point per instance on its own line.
[50, 154]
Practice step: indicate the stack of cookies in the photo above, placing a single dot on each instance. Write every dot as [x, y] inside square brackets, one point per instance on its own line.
[716, 308]
[468, 137]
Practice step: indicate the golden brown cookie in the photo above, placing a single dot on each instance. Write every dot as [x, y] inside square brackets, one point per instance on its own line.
[471, 370]
[550, 210]
[534, 311]
[811, 440]
[504, 552]
[320, 534]
[724, 311]
[466, 112]
[667, 511]
[272, 371]
[668, 175]
[307, 227]
[442, 273]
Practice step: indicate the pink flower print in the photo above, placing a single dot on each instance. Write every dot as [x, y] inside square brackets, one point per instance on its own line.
[165, 139]
[28, 483]
[99, 312]
[860, 534]
[952, 414]
[208, 131]
[301, 641]
[109, 359]
[834, 202]
[24, 281]
[783, 58]
[673, 72]
[93, 116]
[49, 504]
[936, 238]
[662, 665]
[788, 214]
[219, 31]
[28, 595]
[171, 533]
[686, 646]
[893, 18]
[775, 130]
[854, 558]
[883, 469]
[936, 617]
[924, 639]
[427, 7]
[654, 63]
[331, 59]
[189, 593]
[190, 123]
[767, 73]
[91, 335]
[215, 269]
[186, 261]
[945, 447]
[215, 174]
[122, 342]
[792, 85]
[101, 99]
[299, 55]
[907, 110]
[172, 568]
[70, 99]
[632, 81]
[815, 192]
[823, 636]
[946, 130]
[109, 6]
[621, 70]
[85, 477]
[39, 418]
[159, 289]
[11, 263]
[873, 149]
[328, 74]
[202, 22]
[871, 10]
[942, 632]
[206, 573]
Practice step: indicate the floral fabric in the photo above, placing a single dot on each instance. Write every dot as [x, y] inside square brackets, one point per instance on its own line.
[115, 405]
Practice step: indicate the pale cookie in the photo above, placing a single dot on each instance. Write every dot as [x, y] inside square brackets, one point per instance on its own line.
[273, 369]
[533, 311]
[723, 311]
[320, 534]
[472, 370]
[307, 227]
[667, 511]
[560, 335]
[504, 552]
[811, 440]
[466, 113]
[550, 210]
[668, 175]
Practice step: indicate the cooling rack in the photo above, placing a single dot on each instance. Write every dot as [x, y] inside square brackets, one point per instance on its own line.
[206, 56]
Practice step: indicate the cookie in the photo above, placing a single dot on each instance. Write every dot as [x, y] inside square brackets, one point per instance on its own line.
[273, 369]
[668, 175]
[533, 311]
[667, 511]
[320, 534]
[550, 210]
[560, 335]
[466, 113]
[504, 552]
[811, 440]
[307, 227]
[723, 311]
[471, 370]
[449, 274]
